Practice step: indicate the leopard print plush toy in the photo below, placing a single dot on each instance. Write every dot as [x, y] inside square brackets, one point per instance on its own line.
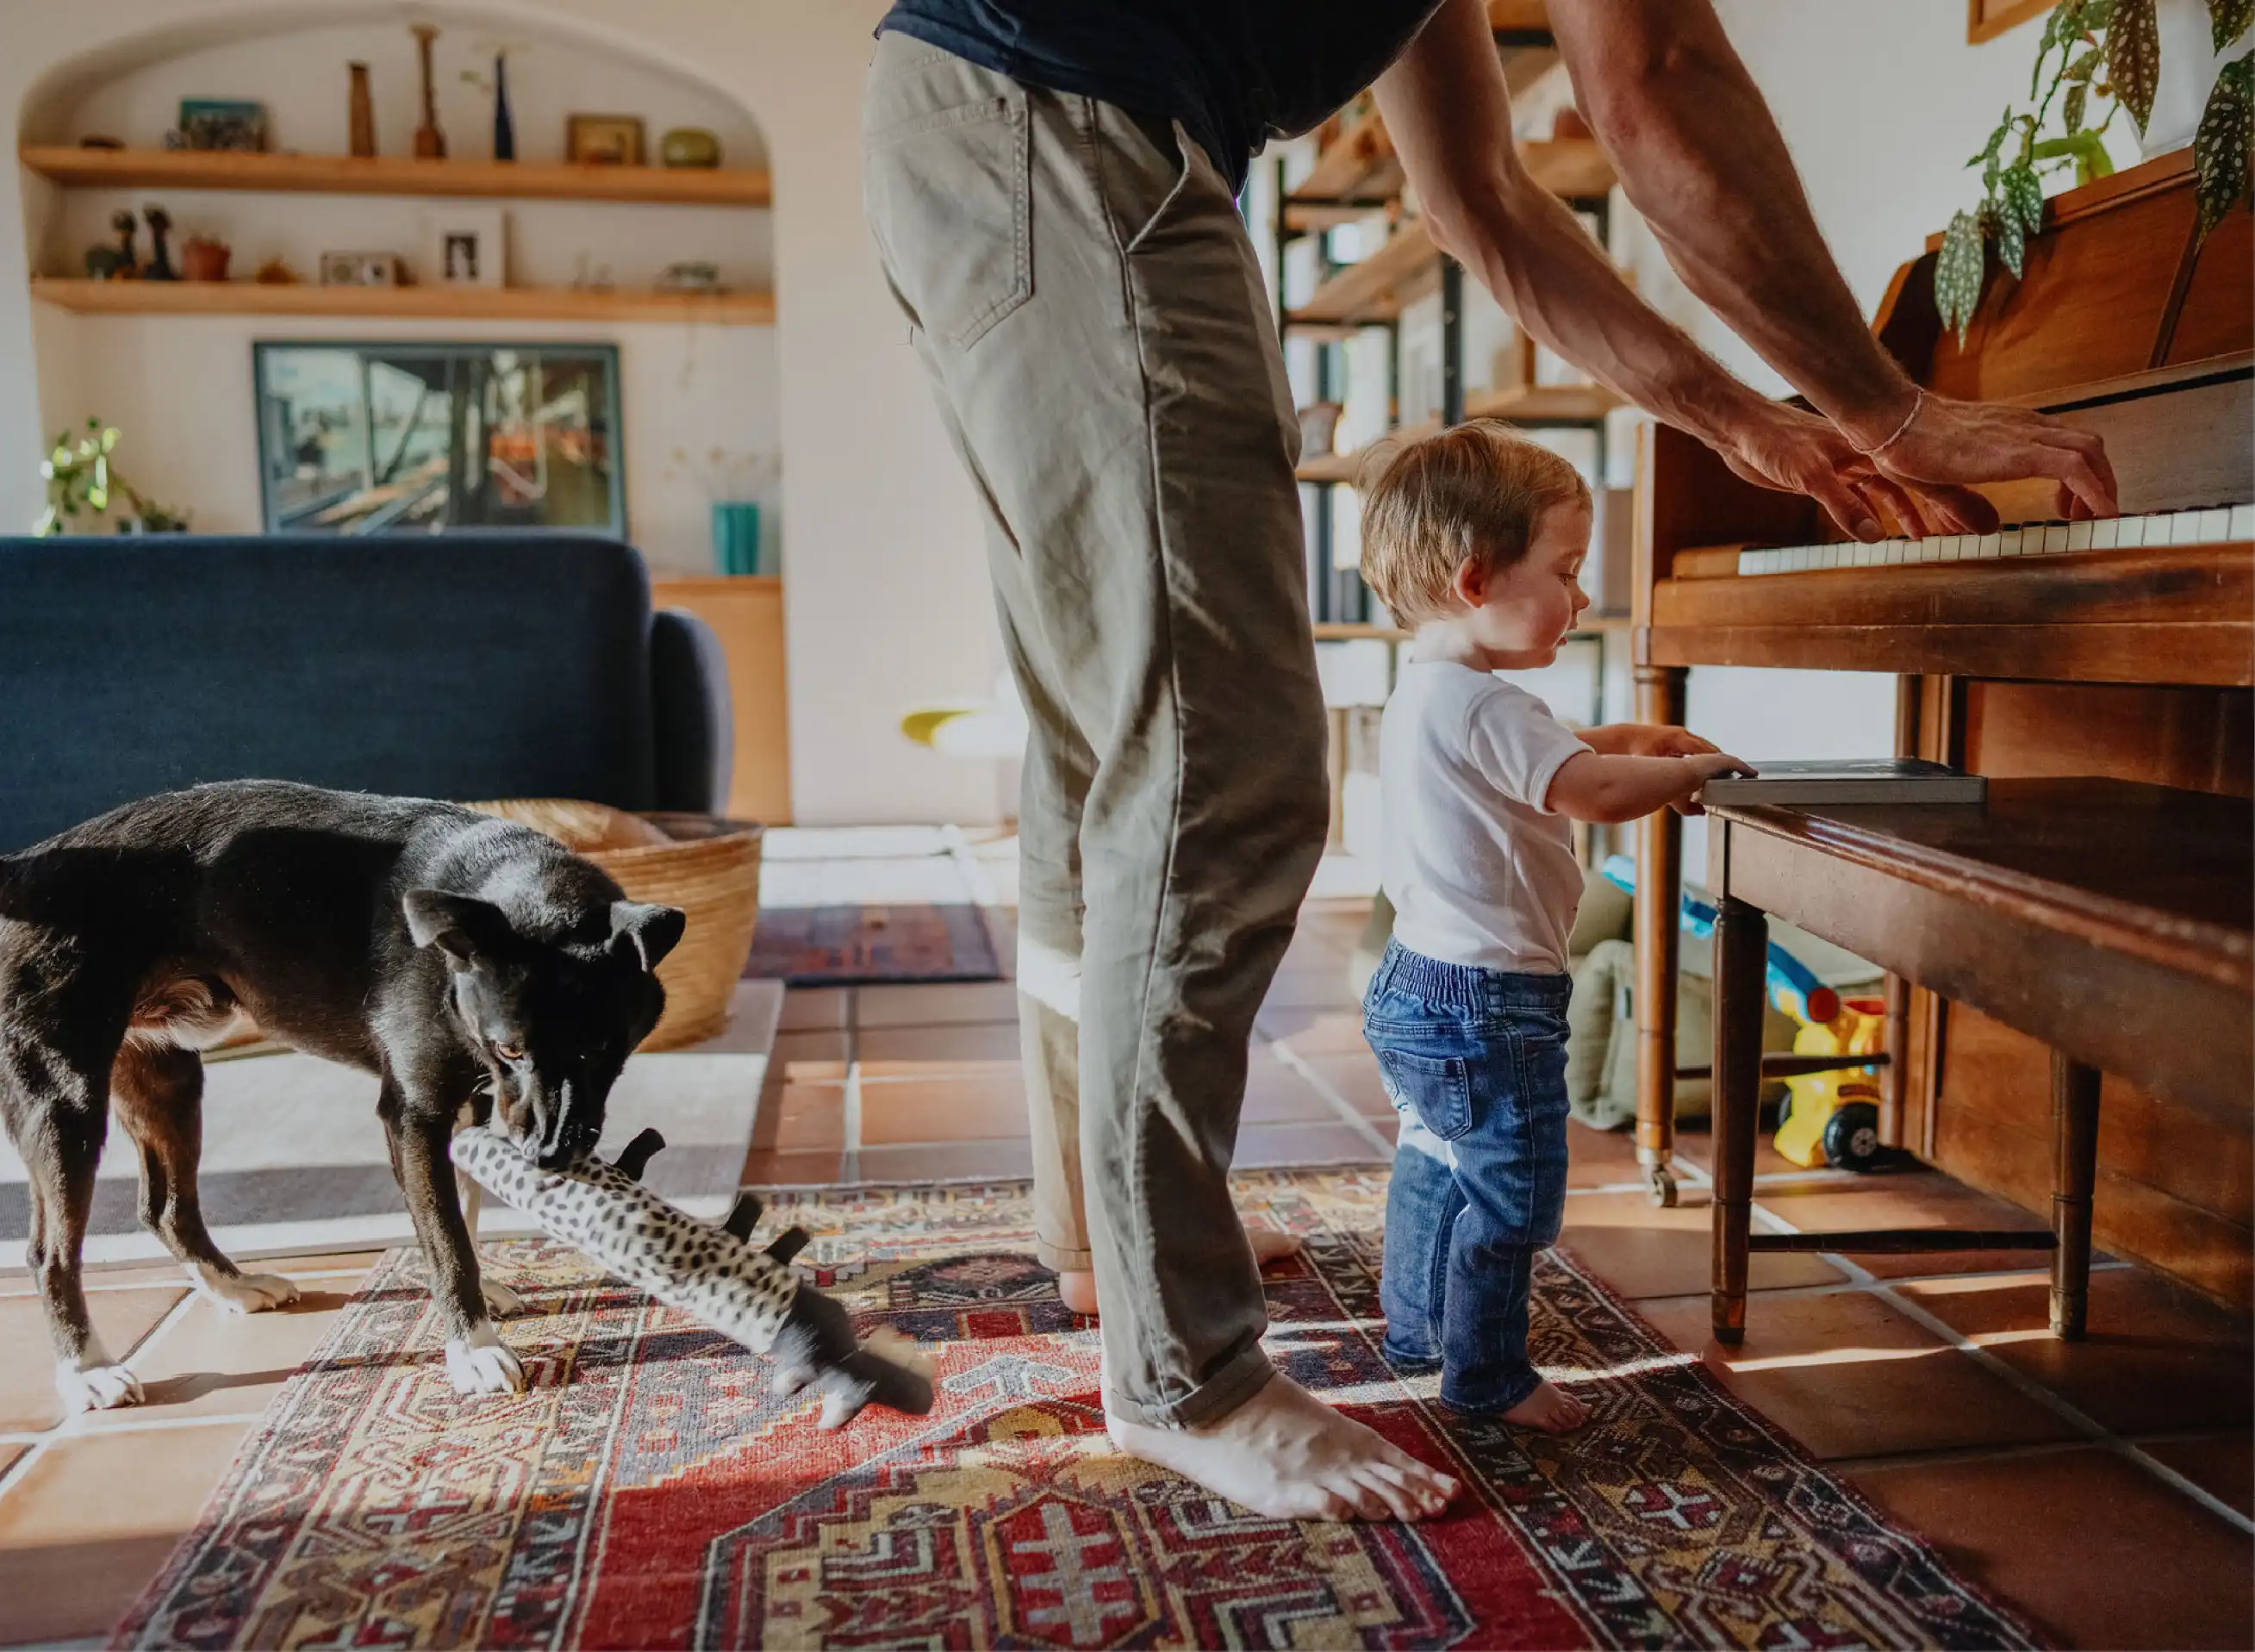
[708, 1269]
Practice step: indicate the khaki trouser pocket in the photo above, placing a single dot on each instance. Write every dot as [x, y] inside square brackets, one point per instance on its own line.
[961, 178]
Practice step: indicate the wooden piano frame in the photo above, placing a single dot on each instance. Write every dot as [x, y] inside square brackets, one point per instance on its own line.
[2130, 663]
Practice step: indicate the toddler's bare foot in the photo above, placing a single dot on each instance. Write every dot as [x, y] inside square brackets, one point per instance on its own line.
[1286, 1455]
[1550, 1409]
[1079, 1289]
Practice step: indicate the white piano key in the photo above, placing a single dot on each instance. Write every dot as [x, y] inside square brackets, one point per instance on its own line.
[2184, 527]
[2010, 540]
[2215, 526]
[1989, 547]
[2105, 533]
[2130, 532]
[2054, 539]
[1827, 556]
[2242, 522]
[1803, 558]
[2078, 536]
[1951, 547]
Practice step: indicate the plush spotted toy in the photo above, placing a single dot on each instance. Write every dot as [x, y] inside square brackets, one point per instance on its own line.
[708, 1269]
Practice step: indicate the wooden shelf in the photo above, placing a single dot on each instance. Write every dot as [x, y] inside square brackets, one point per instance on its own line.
[1358, 167]
[1373, 290]
[395, 175]
[1539, 404]
[437, 304]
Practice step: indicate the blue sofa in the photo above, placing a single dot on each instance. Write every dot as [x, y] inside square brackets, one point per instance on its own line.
[466, 665]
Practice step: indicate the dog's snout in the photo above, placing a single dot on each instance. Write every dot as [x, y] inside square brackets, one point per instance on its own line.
[564, 1127]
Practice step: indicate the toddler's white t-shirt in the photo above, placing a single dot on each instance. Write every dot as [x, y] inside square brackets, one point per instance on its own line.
[1479, 870]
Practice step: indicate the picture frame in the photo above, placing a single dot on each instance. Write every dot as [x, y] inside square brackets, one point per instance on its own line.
[359, 270]
[232, 123]
[604, 140]
[1986, 19]
[466, 247]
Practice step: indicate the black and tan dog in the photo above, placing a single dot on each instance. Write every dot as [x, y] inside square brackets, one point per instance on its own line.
[478, 968]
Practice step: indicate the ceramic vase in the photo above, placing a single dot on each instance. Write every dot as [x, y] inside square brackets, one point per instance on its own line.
[362, 116]
[736, 537]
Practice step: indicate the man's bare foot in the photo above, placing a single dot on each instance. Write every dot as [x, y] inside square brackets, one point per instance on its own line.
[1077, 1290]
[1550, 1409]
[1286, 1455]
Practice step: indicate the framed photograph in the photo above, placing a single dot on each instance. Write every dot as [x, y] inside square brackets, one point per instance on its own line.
[604, 140]
[466, 247]
[421, 438]
[359, 270]
[223, 122]
[1986, 19]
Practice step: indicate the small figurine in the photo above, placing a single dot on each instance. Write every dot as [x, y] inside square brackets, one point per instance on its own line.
[160, 257]
[126, 266]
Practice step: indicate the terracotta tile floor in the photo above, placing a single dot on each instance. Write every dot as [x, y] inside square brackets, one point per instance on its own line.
[2093, 1485]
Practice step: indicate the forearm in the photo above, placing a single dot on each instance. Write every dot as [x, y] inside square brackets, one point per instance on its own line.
[1449, 115]
[1607, 789]
[1700, 158]
[1609, 740]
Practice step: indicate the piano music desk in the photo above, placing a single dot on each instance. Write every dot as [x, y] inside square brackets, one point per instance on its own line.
[2108, 919]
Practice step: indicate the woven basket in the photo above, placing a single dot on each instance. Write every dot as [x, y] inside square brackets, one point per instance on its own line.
[708, 867]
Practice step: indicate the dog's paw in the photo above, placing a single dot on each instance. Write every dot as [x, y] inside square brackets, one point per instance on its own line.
[501, 1301]
[243, 1293]
[96, 1388]
[479, 1364]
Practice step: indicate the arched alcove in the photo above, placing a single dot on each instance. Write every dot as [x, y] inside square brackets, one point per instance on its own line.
[701, 419]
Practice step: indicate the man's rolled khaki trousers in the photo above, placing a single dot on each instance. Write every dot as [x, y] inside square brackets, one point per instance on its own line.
[1082, 290]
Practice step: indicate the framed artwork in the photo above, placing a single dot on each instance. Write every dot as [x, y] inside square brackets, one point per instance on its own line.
[604, 140]
[1985, 19]
[223, 122]
[393, 437]
[466, 247]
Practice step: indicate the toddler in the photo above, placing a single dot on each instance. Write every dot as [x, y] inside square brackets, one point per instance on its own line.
[1474, 539]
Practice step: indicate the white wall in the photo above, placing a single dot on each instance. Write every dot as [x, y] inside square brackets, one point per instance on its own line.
[886, 597]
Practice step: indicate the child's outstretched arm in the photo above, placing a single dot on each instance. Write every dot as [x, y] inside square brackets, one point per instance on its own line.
[1608, 789]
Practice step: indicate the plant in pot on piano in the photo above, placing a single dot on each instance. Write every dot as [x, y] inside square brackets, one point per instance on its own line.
[82, 482]
[2110, 50]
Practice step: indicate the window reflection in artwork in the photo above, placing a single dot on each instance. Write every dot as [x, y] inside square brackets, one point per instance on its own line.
[419, 437]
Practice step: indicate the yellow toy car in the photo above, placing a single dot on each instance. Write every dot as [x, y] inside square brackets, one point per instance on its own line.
[1833, 1117]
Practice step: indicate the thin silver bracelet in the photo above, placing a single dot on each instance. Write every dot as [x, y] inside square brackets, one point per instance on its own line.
[1917, 402]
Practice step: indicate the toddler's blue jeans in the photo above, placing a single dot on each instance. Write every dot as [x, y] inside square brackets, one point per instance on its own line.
[1475, 1062]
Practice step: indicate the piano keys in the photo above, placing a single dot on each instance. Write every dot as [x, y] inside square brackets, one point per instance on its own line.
[2215, 525]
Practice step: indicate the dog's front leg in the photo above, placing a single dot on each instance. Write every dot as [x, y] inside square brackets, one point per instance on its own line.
[476, 1361]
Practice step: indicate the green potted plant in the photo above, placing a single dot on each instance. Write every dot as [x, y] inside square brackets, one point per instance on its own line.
[81, 483]
[2108, 51]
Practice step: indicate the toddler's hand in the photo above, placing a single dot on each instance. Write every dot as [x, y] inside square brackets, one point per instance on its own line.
[1663, 740]
[1705, 766]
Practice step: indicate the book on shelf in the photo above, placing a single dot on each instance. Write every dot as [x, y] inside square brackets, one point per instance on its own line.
[1835, 780]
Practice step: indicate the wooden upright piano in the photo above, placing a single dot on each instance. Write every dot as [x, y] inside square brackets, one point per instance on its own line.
[2123, 651]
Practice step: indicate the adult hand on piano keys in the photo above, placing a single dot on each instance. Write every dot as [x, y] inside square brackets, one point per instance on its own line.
[1773, 445]
[1943, 442]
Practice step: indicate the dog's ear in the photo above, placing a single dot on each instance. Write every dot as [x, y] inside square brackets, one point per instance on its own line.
[463, 928]
[649, 931]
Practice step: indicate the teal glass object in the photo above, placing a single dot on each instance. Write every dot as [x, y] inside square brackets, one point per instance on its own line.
[736, 538]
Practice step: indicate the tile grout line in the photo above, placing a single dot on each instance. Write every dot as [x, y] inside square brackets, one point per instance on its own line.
[1338, 1104]
[2094, 1432]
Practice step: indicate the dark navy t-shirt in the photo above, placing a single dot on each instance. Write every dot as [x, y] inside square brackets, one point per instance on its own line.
[1234, 72]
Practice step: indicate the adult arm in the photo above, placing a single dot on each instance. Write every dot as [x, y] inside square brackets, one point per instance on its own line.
[1701, 159]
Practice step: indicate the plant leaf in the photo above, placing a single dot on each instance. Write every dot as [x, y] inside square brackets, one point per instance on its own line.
[2228, 20]
[2133, 58]
[2097, 15]
[2224, 147]
[2012, 244]
[1958, 272]
[2023, 197]
[2084, 66]
[2070, 111]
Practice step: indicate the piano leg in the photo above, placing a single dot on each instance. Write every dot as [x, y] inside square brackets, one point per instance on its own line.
[1658, 895]
[1741, 989]
[2074, 1172]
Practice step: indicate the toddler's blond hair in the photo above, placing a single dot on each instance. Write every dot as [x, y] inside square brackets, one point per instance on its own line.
[1474, 491]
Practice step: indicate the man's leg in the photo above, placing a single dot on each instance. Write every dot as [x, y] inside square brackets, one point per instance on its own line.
[1091, 315]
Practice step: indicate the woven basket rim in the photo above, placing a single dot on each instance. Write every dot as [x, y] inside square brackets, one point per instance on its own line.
[731, 838]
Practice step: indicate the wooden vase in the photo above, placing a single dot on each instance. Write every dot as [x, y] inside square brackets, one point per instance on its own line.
[429, 142]
[361, 114]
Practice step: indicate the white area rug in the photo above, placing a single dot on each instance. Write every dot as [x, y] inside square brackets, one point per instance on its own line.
[294, 1161]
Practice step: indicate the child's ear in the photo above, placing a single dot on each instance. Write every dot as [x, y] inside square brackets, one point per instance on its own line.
[1470, 582]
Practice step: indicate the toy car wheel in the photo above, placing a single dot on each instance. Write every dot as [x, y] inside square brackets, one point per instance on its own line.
[1852, 1136]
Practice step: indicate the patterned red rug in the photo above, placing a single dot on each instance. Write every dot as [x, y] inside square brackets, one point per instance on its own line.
[647, 1492]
